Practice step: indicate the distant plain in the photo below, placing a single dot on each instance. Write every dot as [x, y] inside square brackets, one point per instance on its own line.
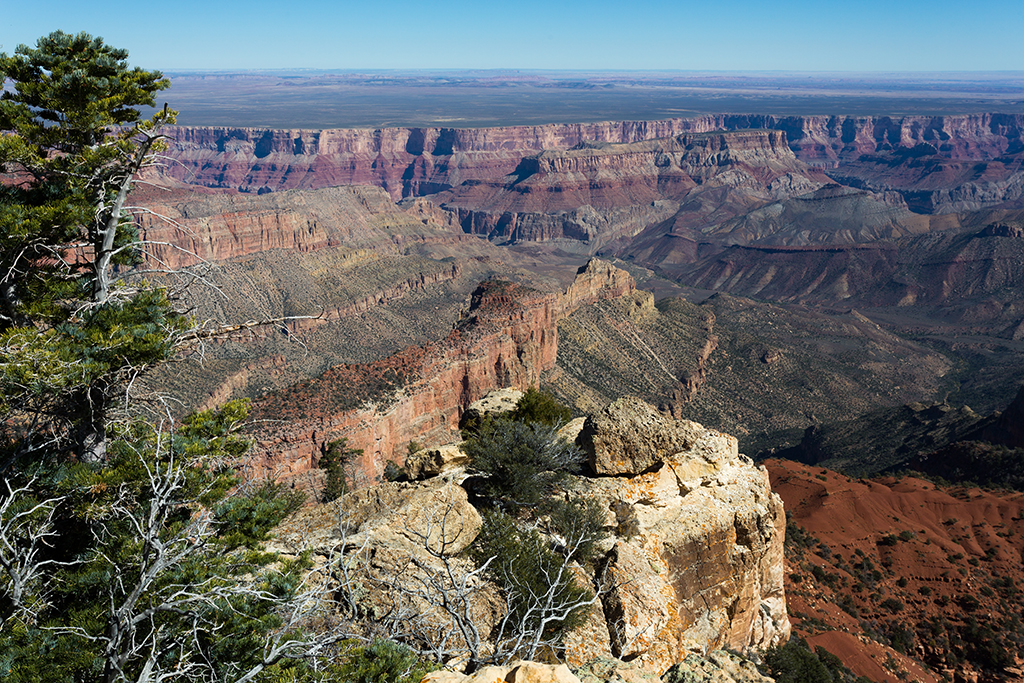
[477, 99]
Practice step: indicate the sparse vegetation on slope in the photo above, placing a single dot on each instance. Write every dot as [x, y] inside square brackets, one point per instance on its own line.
[931, 573]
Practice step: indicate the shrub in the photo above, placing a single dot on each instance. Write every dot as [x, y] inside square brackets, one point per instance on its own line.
[892, 604]
[580, 523]
[336, 460]
[794, 663]
[521, 463]
[537, 581]
[540, 406]
[382, 662]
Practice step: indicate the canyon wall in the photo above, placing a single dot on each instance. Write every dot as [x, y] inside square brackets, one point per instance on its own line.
[419, 161]
[182, 227]
[598, 192]
[508, 337]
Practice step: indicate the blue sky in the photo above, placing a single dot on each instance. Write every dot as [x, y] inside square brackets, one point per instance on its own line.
[863, 35]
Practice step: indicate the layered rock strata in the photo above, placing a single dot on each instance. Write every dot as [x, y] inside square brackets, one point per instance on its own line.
[183, 227]
[419, 161]
[507, 338]
[595, 193]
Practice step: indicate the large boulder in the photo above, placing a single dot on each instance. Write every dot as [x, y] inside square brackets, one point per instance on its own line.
[630, 436]
[697, 563]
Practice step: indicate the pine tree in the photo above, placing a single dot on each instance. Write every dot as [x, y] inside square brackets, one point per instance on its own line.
[73, 334]
[129, 547]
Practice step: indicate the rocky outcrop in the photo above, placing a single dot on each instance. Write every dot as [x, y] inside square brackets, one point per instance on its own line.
[697, 560]
[508, 337]
[630, 436]
[517, 672]
[693, 562]
[718, 667]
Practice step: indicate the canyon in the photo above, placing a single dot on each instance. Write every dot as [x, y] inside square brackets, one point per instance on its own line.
[770, 277]
[419, 161]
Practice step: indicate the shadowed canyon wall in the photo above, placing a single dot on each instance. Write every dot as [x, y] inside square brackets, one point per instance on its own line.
[418, 161]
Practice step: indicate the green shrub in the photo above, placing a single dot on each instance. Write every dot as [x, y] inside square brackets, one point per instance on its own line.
[336, 460]
[580, 523]
[794, 663]
[382, 662]
[892, 604]
[537, 582]
[540, 406]
[521, 463]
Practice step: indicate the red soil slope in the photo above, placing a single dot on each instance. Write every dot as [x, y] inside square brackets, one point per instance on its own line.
[901, 578]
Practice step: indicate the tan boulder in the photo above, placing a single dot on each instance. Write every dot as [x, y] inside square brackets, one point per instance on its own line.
[629, 436]
[518, 672]
[410, 516]
[637, 605]
[697, 564]
[494, 403]
[432, 462]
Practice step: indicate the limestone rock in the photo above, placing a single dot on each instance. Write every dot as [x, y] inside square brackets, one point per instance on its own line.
[431, 462]
[611, 670]
[590, 640]
[630, 436]
[570, 431]
[637, 606]
[407, 515]
[718, 667]
[518, 672]
[698, 561]
[494, 403]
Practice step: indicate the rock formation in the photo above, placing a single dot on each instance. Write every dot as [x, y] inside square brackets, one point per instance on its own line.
[419, 161]
[697, 559]
[694, 562]
[508, 337]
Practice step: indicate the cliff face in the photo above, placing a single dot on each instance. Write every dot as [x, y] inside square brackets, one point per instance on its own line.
[404, 161]
[419, 161]
[508, 337]
[185, 227]
[599, 192]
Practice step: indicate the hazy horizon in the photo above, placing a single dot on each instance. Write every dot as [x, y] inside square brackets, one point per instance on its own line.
[488, 98]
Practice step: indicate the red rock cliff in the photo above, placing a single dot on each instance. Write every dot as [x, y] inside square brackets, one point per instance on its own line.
[508, 338]
[419, 161]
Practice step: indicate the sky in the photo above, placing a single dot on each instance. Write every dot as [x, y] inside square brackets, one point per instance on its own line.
[728, 35]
